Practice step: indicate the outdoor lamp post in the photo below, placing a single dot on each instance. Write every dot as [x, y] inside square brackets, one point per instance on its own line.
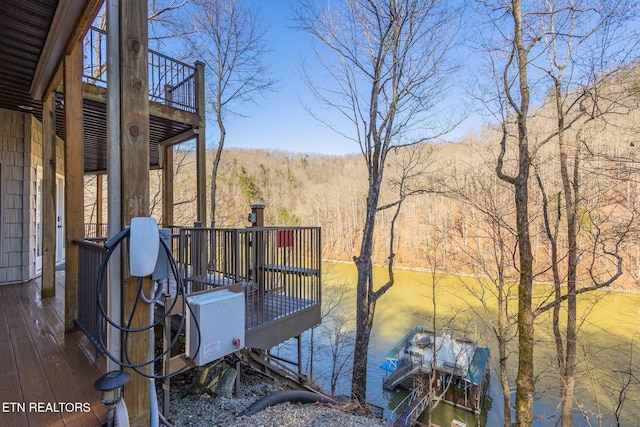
[111, 385]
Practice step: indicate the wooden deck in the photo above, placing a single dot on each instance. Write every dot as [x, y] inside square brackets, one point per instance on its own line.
[47, 376]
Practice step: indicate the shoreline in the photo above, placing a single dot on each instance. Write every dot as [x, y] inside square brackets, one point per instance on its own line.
[612, 289]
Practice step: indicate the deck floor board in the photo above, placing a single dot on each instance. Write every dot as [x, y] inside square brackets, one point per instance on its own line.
[10, 390]
[47, 366]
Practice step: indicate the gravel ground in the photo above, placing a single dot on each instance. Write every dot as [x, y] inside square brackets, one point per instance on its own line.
[188, 410]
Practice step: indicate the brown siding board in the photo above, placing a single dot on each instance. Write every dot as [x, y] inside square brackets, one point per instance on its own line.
[31, 335]
[4, 321]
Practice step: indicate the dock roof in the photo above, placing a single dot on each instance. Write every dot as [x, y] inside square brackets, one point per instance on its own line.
[478, 365]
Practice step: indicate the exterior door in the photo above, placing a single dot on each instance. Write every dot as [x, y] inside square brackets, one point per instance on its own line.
[60, 240]
[38, 221]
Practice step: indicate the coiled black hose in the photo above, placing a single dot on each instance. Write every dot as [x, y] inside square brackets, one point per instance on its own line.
[291, 396]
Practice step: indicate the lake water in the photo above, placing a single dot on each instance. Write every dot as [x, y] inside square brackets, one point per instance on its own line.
[607, 345]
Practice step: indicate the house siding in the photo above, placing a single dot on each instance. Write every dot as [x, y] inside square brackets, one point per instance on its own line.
[34, 160]
[12, 160]
[20, 157]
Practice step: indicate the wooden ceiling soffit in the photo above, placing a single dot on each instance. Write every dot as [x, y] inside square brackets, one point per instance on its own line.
[70, 22]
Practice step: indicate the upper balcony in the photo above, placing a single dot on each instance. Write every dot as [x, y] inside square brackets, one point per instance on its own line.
[171, 82]
[175, 90]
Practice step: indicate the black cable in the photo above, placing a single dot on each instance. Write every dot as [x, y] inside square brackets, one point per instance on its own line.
[111, 245]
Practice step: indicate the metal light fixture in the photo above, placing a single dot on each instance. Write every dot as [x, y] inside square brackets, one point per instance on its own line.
[111, 385]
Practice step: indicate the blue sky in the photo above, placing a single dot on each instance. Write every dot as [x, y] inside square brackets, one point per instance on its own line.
[280, 121]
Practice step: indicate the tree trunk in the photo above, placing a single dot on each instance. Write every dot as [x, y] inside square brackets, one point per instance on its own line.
[216, 164]
[364, 322]
[525, 378]
[570, 188]
[365, 304]
[525, 385]
[502, 347]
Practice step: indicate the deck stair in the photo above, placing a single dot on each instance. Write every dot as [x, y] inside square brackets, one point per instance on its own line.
[262, 362]
[412, 407]
[400, 374]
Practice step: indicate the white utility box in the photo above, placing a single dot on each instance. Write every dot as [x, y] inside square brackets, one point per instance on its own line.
[220, 316]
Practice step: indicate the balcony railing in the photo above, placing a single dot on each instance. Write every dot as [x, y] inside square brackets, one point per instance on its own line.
[95, 231]
[171, 82]
[279, 270]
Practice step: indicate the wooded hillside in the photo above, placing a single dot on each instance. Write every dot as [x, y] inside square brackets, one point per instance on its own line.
[450, 224]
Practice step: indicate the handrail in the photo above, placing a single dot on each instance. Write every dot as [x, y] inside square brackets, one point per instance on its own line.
[409, 404]
[406, 369]
[419, 408]
[407, 401]
[95, 230]
[171, 82]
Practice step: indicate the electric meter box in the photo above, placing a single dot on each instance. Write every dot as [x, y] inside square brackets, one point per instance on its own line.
[220, 316]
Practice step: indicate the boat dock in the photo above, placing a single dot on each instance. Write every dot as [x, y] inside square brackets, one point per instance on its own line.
[455, 369]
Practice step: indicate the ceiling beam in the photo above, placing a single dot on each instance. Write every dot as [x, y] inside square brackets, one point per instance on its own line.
[70, 22]
[177, 139]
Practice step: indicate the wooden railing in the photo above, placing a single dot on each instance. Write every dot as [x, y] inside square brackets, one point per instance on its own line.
[90, 256]
[171, 82]
[98, 232]
[279, 269]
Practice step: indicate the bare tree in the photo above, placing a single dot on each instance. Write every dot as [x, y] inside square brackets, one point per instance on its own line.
[627, 381]
[333, 298]
[515, 98]
[227, 36]
[339, 334]
[554, 31]
[568, 29]
[490, 261]
[386, 63]
[435, 262]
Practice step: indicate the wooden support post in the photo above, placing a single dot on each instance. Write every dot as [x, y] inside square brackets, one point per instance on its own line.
[299, 338]
[167, 187]
[257, 210]
[201, 148]
[49, 220]
[257, 213]
[238, 371]
[99, 204]
[74, 179]
[134, 146]
[114, 177]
